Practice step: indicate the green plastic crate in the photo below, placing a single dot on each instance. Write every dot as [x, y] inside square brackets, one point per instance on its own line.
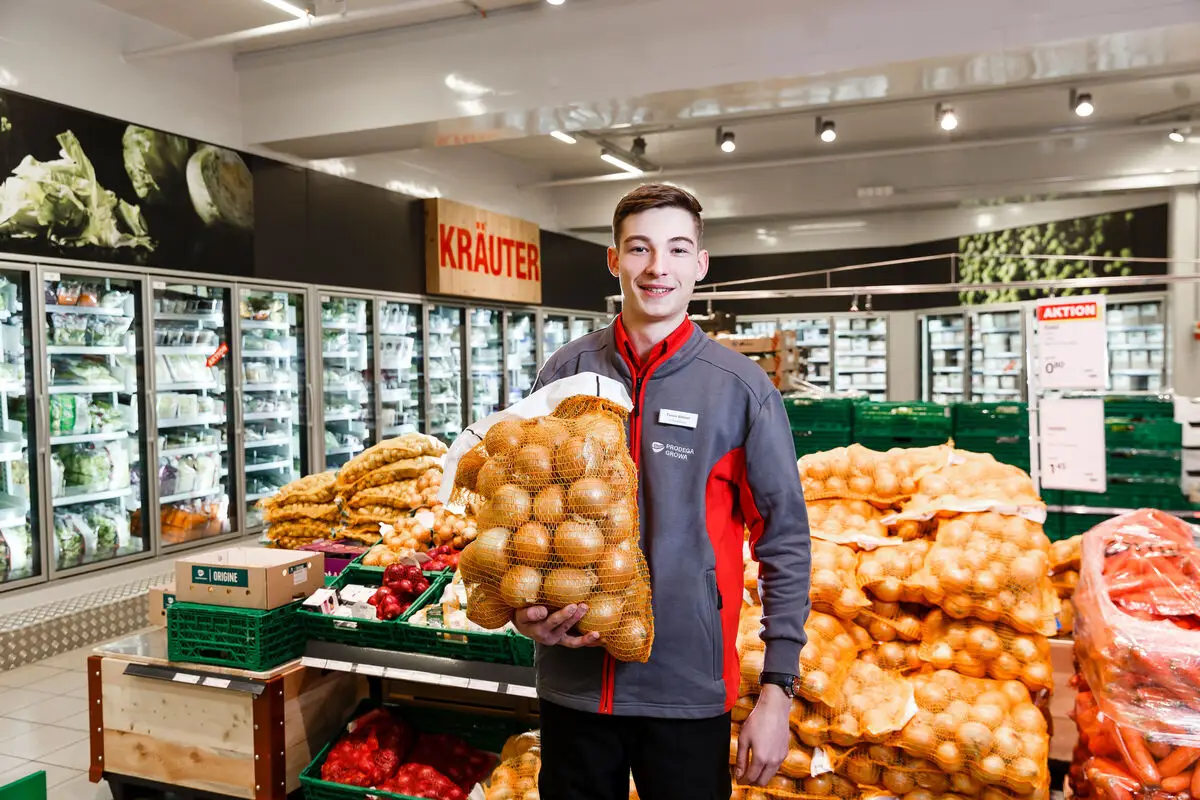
[925, 421]
[991, 419]
[885, 443]
[31, 787]
[493, 647]
[1012, 450]
[1163, 496]
[1136, 407]
[357, 564]
[1144, 434]
[1074, 524]
[484, 733]
[377, 633]
[242, 638]
[814, 441]
[811, 410]
[1161, 464]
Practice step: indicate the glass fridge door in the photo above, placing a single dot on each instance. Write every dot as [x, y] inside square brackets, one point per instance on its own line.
[348, 375]
[445, 372]
[97, 457]
[191, 379]
[274, 396]
[1136, 345]
[860, 361]
[581, 326]
[520, 353]
[487, 371]
[402, 369]
[997, 356]
[943, 359]
[813, 336]
[20, 539]
[554, 334]
[757, 327]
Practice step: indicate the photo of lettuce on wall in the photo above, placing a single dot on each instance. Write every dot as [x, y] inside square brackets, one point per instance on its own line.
[1052, 251]
[78, 185]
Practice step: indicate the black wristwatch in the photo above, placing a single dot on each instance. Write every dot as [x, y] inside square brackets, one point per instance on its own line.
[782, 680]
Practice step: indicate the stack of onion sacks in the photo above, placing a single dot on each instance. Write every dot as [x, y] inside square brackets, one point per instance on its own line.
[558, 524]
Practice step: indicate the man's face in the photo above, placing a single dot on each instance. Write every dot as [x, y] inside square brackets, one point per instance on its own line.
[658, 261]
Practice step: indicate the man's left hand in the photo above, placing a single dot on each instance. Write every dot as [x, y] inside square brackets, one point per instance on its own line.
[764, 738]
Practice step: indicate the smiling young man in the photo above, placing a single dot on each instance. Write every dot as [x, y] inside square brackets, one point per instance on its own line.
[715, 456]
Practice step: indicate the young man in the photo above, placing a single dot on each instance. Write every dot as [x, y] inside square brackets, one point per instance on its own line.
[715, 455]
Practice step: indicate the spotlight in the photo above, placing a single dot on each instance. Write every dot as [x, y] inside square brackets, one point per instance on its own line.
[620, 163]
[563, 137]
[1176, 136]
[827, 130]
[639, 147]
[556, 2]
[725, 140]
[947, 120]
[1082, 104]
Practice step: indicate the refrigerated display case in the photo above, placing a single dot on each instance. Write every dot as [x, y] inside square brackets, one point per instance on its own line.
[20, 535]
[347, 377]
[191, 377]
[812, 334]
[274, 382]
[520, 354]
[486, 362]
[97, 459]
[998, 353]
[445, 371]
[581, 326]
[860, 354]
[401, 368]
[1137, 349]
[556, 330]
[943, 357]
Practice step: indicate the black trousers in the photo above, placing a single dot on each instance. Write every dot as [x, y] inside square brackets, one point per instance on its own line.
[589, 756]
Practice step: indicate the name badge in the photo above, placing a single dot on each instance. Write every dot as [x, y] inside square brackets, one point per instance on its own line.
[680, 418]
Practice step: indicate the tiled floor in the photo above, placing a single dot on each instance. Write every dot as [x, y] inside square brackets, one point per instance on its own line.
[43, 726]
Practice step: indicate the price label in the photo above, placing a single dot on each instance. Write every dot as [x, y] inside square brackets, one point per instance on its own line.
[1072, 343]
[1071, 444]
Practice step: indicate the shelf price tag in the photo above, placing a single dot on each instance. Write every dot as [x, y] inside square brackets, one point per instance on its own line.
[1071, 444]
[1072, 343]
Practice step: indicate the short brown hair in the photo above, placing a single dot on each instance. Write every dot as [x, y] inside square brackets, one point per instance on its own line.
[656, 195]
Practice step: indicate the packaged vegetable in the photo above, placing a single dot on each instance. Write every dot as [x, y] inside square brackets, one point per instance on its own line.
[889, 574]
[856, 472]
[849, 522]
[68, 330]
[972, 483]
[408, 446]
[994, 567]
[559, 518]
[979, 650]
[69, 530]
[16, 548]
[1065, 554]
[834, 587]
[875, 705]
[891, 622]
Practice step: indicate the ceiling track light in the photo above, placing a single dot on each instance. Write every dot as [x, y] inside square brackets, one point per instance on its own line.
[826, 130]
[563, 136]
[1178, 135]
[1081, 104]
[620, 163]
[639, 147]
[296, 11]
[725, 140]
[947, 120]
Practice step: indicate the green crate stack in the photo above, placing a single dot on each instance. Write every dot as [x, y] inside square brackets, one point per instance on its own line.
[1012, 450]
[242, 638]
[494, 647]
[1163, 496]
[377, 633]
[1138, 407]
[820, 424]
[483, 733]
[881, 426]
[987, 420]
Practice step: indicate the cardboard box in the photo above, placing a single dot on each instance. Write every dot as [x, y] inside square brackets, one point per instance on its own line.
[249, 577]
[160, 599]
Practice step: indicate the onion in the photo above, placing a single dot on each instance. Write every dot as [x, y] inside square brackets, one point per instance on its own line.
[550, 505]
[617, 568]
[491, 476]
[602, 428]
[577, 457]
[590, 497]
[511, 506]
[487, 610]
[488, 554]
[619, 522]
[630, 641]
[468, 469]
[503, 437]
[621, 475]
[578, 542]
[545, 431]
[533, 466]
[603, 614]
[521, 586]
[531, 544]
[567, 586]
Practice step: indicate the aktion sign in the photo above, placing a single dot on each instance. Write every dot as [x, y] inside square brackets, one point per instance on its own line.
[1072, 343]
[475, 253]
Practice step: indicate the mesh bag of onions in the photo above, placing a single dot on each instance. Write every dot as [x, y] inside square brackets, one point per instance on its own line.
[557, 518]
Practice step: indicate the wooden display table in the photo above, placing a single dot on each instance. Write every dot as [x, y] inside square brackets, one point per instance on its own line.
[204, 731]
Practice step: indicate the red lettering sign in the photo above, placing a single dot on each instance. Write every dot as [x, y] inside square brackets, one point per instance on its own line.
[1068, 311]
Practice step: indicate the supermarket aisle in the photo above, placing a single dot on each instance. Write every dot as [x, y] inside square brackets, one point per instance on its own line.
[43, 726]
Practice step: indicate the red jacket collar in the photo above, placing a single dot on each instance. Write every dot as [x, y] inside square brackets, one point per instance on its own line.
[658, 354]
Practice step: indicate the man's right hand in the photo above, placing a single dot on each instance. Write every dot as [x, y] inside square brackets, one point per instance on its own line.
[548, 629]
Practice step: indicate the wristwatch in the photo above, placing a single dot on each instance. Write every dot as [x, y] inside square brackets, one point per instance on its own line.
[782, 680]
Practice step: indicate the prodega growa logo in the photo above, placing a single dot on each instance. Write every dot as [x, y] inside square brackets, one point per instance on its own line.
[672, 450]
